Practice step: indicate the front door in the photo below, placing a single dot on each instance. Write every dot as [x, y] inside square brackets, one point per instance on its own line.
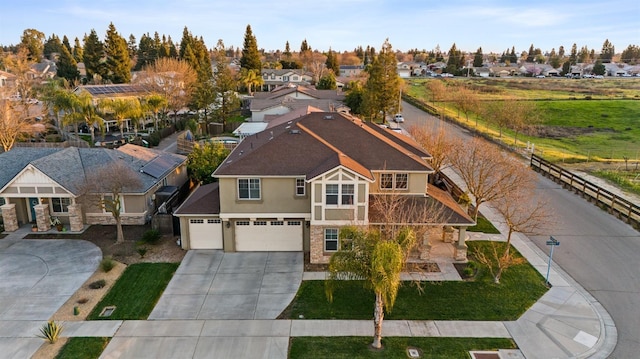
[32, 203]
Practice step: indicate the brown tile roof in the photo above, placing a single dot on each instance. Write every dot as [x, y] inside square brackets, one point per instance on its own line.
[204, 200]
[315, 143]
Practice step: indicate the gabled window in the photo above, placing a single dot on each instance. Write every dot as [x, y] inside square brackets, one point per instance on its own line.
[248, 188]
[300, 187]
[330, 239]
[391, 181]
[339, 194]
[331, 194]
[347, 194]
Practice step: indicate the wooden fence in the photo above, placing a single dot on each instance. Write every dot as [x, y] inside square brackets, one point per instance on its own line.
[612, 203]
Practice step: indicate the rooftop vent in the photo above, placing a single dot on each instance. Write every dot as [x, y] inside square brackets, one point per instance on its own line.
[328, 117]
[294, 132]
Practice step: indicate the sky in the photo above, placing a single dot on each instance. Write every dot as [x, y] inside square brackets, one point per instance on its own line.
[494, 25]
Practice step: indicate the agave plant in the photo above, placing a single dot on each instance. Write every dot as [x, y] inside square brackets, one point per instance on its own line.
[51, 331]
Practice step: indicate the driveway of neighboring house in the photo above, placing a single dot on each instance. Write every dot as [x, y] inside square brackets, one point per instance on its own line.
[211, 284]
[36, 278]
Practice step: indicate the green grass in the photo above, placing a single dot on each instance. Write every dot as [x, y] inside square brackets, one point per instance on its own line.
[623, 179]
[521, 286]
[137, 291]
[394, 347]
[483, 225]
[83, 348]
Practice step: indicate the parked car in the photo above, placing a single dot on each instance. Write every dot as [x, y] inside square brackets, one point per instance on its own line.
[398, 118]
[540, 76]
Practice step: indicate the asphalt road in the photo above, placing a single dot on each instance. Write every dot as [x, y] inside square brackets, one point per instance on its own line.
[599, 251]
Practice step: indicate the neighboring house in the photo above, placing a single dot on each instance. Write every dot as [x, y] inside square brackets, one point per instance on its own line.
[351, 70]
[293, 186]
[613, 69]
[274, 78]
[404, 69]
[36, 183]
[482, 71]
[113, 91]
[287, 98]
[7, 79]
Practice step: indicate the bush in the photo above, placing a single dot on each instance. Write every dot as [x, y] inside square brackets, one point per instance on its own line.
[154, 139]
[98, 284]
[51, 331]
[107, 264]
[142, 251]
[151, 236]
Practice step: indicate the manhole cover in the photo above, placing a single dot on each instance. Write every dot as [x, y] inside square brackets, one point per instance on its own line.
[107, 311]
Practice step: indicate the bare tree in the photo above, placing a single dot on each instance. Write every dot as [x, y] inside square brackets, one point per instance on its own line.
[437, 142]
[489, 174]
[26, 83]
[524, 211]
[466, 100]
[174, 79]
[14, 125]
[104, 188]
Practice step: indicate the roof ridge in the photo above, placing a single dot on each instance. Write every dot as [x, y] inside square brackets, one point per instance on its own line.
[389, 142]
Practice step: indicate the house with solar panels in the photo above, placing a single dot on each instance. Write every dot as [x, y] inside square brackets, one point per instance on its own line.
[112, 91]
[39, 183]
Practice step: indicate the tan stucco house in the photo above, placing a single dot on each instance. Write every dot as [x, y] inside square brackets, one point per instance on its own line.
[38, 183]
[293, 186]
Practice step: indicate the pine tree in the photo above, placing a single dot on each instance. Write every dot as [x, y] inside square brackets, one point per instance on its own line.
[77, 52]
[332, 63]
[382, 90]
[530, 54]
[224, 87]
[65, 43]
[607, 51]
[93, 52]
[304, 47]
[478, 58]
[67, 66]
[118, 64]
[145, 54]
[132, 46]
[250, 56]
[573, 57]
[287, 52]
[53, 45]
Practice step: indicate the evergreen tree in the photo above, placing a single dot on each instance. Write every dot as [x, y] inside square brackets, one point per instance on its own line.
[304, 47]
[478, 58]
[93, 52]
[332, 62]
[287, 51]
[382, 89]
[583, 55]
[53, 45]
[224, 86]
[65, 43]
[606, 55]
[561, 51]
[67, 66]
[566, 68]
[530, 54]
[359, 52]
[250, 56]
[145, 54]
[631, 55]
[455, 61]
[327, 82]
[598, 68]
[33, 41]
[513, 58]
[573, 57]
[77, 52]
[118, 64]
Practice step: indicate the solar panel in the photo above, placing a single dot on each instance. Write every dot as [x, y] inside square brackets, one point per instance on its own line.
[158, 166]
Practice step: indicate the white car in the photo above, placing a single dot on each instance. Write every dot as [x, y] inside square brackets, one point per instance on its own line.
[398, 118]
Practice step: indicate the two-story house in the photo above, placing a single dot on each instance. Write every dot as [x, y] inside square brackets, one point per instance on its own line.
[293, 186]
[273, 78]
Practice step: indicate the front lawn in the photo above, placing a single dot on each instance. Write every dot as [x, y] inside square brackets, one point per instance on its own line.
[521, 286]
[483, 225]
[136, 292]
[83, 347]
[394, 347]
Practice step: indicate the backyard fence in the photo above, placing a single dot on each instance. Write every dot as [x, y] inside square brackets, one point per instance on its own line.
[612, 203]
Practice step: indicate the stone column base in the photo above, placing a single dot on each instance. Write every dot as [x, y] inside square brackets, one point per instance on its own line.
[460, 252]
[9, 217]
[75, 218]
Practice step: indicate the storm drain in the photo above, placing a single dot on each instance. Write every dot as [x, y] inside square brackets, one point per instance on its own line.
[107, 311]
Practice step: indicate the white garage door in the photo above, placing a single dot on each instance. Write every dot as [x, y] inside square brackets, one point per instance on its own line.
[205, 233]
[268, 235]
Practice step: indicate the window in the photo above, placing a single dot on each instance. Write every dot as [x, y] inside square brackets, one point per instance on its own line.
[294, 223]
[394, 181]
[347, 193]
[277, 223]
[213, 221]
[249, 188]
[196, 221]
[300, 186]
[60, 205]
[259, 223]
[331, 239]
[402, 180]
[242, 223]
[332, 194]
[386, 180]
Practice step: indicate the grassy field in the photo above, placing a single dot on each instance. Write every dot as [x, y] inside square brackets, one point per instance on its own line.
[520, 287]
[394, 347]
[136, 292]
[579, 120]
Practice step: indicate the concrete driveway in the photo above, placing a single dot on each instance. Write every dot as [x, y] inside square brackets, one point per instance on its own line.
[211, 284]
[36, 278]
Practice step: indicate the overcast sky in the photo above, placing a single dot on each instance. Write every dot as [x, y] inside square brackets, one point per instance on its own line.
[341, 24]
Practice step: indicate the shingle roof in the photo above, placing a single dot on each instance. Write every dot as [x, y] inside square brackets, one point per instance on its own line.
[315, 143]
[204, 200]
[70, 166]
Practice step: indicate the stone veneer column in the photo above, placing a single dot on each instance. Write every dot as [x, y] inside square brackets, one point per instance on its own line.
[425, 250]
[460, 253]
[42, 217]
[9, 217]
[316, 244]
[447, 234]
[75, 218]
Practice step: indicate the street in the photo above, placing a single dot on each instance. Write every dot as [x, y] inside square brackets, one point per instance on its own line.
[599, 251]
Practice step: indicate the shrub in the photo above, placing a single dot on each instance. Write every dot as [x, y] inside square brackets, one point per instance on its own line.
[142, 251]
[154, 139]
[98, 284]
[51, 331]
[151, 236]
[107, 264]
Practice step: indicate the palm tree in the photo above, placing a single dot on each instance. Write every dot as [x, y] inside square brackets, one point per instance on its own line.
[123, 109]
[376, 261]
[88, 111]
[251, 78]
[154, 103]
